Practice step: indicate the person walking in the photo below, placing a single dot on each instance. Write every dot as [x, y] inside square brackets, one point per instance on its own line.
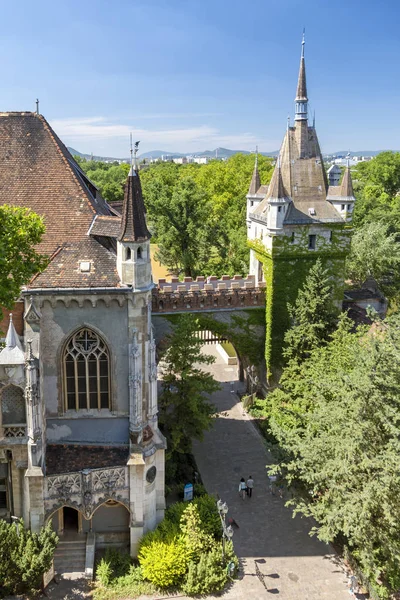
[250, 485]
[242, 488]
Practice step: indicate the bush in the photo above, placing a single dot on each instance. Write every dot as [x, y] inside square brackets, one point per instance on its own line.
[207, 576]
[164, 564]
[130, 585]
[24, 557]
[104, 573]
[210, 520]
[196, 541]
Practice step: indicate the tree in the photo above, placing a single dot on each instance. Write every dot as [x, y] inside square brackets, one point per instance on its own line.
[375, 253]
[110, 178]
[24, 557]
[343, 442]
[178, 220]
[185, 410]
[312, 315]
[21, 229]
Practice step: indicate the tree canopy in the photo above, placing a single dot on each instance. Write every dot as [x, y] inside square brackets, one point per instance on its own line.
[21, 230]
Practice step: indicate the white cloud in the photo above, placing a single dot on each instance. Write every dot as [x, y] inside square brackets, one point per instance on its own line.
[101, 132]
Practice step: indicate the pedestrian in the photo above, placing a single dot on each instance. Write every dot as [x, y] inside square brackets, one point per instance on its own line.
[242, 488]
[250, 485]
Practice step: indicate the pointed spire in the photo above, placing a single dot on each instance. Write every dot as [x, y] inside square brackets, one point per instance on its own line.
[276, 188]
[12, 353]
[346, 187]
[255, 180]
[301, 93]
[133, 221]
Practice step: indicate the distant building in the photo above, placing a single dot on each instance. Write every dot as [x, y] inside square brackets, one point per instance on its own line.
[201, 160]
[334, 173]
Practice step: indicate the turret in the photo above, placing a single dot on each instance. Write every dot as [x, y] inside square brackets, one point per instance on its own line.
[278, 200]
[253, 197]
[342, 196]
[133, 245]
[301, 108]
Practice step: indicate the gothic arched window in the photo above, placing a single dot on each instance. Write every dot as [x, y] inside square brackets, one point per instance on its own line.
[86, 367]
[139, 253]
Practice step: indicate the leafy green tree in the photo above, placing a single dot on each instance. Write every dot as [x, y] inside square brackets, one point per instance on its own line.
[24, 557]
[375, 253]
[342, 441]
[185, 410]
[110, 178]
[312, 315]
[21, 230]
[178, 221]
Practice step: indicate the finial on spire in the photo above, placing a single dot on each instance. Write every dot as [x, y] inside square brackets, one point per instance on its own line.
[134, 151]
[11, 318]
[301, 92]
[37, 106]
[256, 156]
[313, 121]
[303, 42]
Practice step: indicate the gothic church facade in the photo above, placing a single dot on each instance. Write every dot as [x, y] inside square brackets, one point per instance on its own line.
[79, 439]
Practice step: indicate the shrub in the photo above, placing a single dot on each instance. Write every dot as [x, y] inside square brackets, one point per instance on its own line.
[163, 564]
[206, 576]
[210, 521]
[104, 573]
[196, 541]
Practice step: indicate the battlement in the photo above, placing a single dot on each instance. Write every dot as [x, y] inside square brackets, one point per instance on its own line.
[209, 293]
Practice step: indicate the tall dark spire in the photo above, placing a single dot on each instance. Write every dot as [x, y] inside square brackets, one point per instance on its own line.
[255, 180]
[133, 221]
[301, 93]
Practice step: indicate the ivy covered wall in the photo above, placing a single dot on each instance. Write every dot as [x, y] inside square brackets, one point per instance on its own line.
[286, 266]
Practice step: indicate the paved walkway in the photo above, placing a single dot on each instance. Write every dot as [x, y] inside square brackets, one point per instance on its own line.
[278, 556]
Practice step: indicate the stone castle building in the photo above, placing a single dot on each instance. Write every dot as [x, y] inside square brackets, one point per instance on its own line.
[79, 439]
[294, 220]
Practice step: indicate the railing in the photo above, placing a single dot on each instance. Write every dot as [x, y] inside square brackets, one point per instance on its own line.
[17, 430]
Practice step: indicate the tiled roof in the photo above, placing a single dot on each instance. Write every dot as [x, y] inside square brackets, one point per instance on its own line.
[133, 225]
[38, 172]
[106, 226]
[66, 458]
[301, 93]
[64, 270]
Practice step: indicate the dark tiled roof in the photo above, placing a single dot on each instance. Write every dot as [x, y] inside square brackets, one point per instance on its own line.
[72, 458]
[133, 226]
[64, 268]
[106, 226]
[38, 172]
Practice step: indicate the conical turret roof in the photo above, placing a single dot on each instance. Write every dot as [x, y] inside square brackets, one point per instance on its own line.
[346, 187]
[276, 188]
[255, 180]
[133, 222]
[12, 353]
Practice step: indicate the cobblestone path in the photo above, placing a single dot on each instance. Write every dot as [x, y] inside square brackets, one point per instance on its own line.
[278, 556]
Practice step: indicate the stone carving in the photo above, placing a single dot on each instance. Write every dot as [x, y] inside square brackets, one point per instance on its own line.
[108, 480]
[15, 431]
[87, 489]
[32, 315]
[64, 485]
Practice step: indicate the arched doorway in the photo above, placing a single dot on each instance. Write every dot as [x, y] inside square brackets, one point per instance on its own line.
[70, 519]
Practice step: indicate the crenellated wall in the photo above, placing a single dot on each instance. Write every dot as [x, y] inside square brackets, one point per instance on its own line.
[208, 294]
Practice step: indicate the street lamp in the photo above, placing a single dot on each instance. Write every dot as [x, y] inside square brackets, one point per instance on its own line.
[227, 531]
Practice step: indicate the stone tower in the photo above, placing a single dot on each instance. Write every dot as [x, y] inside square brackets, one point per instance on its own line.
[295, 220]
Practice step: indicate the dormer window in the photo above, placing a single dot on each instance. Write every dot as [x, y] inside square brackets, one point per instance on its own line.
[128, 254]
[311, 212]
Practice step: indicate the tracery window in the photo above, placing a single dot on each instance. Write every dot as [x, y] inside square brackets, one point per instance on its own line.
[86, 365]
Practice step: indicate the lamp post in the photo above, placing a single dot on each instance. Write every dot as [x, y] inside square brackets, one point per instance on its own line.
[227, 531]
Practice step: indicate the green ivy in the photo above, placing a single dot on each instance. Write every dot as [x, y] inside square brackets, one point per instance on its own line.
[285, 270]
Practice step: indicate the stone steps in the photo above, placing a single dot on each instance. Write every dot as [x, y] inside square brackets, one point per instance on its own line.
[70, 556]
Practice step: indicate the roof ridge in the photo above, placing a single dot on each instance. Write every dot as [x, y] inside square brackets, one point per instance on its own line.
[67, 157]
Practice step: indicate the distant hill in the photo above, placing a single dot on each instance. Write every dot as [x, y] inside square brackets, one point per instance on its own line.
[218, 152]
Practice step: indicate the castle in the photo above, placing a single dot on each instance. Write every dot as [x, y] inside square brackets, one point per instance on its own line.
[294, 220]
[79, 438]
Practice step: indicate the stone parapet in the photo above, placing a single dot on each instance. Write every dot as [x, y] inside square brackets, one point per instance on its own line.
[208, 294]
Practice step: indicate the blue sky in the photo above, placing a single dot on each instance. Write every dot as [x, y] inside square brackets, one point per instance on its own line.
[194, 75]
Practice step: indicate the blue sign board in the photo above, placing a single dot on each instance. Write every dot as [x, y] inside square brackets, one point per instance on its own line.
[188, 492]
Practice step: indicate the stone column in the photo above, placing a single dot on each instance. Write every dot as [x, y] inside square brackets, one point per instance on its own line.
[160, 485]
[135, 389]
[136, 466]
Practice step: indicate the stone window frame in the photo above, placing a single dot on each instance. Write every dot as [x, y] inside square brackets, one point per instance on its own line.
[101, 347]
